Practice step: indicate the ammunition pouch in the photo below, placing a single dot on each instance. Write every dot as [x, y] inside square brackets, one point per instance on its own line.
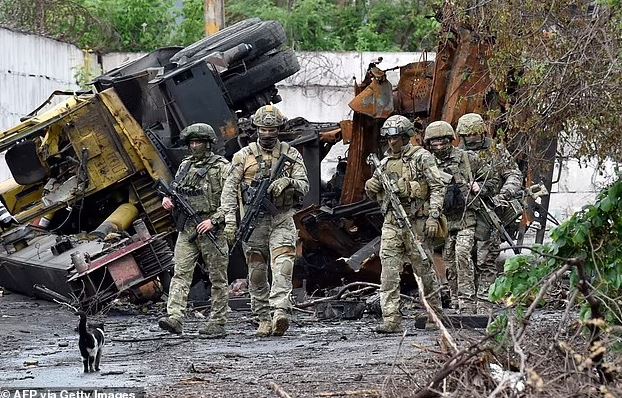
[454, 200]
[285, 200]
[443, 230]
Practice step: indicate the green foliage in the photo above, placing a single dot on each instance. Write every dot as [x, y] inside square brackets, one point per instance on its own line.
[143, 25]
[322, 25]
[557, 65]
[102, 25]
[593, 234]
[85, 74]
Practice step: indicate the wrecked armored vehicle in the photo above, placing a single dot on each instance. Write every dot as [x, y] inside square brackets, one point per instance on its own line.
[87, 221]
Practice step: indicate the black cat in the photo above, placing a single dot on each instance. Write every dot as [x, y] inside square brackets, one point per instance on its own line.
[91, 343]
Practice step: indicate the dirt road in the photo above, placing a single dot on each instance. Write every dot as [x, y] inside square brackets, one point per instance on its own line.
[39, 348]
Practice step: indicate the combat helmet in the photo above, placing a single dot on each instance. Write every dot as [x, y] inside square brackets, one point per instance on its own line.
[268, 116]
[438, 129]
[470, 124]
[198, 131]
[397, 125]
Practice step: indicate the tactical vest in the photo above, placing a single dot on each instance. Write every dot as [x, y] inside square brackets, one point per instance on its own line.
[404, 166]
[459, 167]
[258, 165]
[200, 182]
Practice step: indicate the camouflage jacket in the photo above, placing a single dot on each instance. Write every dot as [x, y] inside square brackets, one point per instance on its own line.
[200, 181]
[417, 166]
[251, 163]
[500, 160]
[464, 167]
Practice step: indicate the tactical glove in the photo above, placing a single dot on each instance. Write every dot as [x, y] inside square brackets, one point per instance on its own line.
[229, 233]
[432, 227]
[499, 199]
[404, 188]
[373, 185]
[278, 186]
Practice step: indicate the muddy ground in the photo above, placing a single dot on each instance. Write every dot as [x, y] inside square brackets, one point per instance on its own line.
[38, 348]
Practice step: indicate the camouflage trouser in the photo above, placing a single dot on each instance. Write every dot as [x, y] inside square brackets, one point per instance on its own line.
[396, 249]
[486, 267]
[274, 240]
[186, 255]
[460, 269]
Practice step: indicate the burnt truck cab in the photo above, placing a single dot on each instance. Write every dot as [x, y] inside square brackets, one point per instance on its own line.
[81, 175]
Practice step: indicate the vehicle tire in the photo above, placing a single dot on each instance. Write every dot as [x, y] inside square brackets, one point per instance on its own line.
[263, 36]
[276, 67]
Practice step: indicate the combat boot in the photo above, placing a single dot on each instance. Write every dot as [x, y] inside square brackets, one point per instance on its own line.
[280, 323]
[389, 327]
[445, 296]
[171, 325]
[212, 330]
[264, 329]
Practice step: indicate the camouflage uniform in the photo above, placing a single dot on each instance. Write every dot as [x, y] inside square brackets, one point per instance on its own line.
[509, 187]
[274, 237]
[460, 209]
[423, 189]
[200, 180]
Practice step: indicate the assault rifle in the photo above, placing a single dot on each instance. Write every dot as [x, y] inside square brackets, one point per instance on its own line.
[187, 212]
[493, 219]
[259, 201]
[391, 191]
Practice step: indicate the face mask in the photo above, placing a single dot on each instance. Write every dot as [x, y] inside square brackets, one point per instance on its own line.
[199, 149]
[441, 148]
[472, 141]
[267, 137]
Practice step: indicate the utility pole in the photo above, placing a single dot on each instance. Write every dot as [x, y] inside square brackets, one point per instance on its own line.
[214, 16]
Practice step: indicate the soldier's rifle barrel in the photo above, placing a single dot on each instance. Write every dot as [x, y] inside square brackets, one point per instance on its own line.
[401, 216]
[185, 208]
[259, 201]
[496, 222]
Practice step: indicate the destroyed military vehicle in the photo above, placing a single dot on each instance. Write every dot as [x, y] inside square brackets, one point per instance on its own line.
[88, 221]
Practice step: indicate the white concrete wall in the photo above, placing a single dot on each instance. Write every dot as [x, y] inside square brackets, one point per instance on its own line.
[324, 86]
[578, 185]
[31, 68]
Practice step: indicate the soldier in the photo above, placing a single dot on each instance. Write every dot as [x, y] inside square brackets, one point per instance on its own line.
[421, 191]
[199, 179]
[472, 131]
[470, 178]
[274, 237]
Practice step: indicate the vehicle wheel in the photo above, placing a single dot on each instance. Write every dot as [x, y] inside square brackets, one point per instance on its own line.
[263, 36]
[275, 68]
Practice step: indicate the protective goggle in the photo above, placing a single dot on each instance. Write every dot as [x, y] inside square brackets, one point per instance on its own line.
[389, 131]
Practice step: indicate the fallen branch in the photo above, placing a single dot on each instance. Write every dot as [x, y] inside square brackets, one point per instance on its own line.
[444, 333]
[343, 290]
[547, 284]
[348, 393]
[279, 391]
[596, 314]
[397, 354]
[157, 338]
